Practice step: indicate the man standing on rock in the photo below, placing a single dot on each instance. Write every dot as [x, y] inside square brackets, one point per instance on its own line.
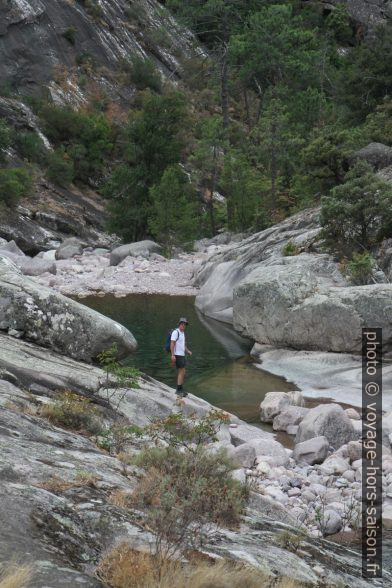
[178, 349]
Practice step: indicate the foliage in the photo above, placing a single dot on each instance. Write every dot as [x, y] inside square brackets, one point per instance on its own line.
[117, 376]
[70, 34]
[14, 184]
[360, 268]
[338, 23]
[30, 146]
[290, 249]
[378, 125]
[290, 540]
[153, 142]
[86, 138]
[190, 431]
[185, 496]
[143, 74]
[72, 411]
[116, 438]
[358, 213]
[60, 170]
[125, 568]
[173, 209]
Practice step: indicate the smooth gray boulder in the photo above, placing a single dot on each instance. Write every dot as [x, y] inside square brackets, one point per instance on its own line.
[290, 306]
[311, 451]
[11, 247]
[377, 155]
[245, 433]
[291, 415]
[331, 522]
[69, 248]
[54, 321]
[139, 248]
[327, 420]
[272, 405]
[246, 453]
[35, 267]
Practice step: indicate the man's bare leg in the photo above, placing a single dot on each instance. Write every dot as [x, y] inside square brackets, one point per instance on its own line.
[180, 376]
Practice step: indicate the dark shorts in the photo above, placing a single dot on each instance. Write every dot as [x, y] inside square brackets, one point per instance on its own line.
[180, 361]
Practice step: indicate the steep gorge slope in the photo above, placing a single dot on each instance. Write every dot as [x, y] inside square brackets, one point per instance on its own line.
[73, 52]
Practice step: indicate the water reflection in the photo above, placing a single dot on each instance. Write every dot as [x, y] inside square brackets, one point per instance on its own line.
[220, 369]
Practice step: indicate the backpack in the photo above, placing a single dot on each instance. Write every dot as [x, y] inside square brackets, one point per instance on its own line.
[168, 339]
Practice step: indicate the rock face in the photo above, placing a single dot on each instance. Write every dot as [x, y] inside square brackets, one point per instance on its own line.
[50, 319]
[326, 420]
[300, 301]
[108, 31]
[140, 248]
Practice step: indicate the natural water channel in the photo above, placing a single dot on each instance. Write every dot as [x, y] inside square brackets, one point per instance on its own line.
[220, 369]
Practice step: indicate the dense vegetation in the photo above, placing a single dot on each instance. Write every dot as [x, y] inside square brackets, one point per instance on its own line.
[268, 120]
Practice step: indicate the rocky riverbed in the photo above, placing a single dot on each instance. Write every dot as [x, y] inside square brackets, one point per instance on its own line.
[56, 486]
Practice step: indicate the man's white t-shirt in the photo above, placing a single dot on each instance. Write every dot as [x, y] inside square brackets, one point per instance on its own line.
[179, 337]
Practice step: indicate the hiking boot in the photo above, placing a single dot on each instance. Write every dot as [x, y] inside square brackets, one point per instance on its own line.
[184, 394]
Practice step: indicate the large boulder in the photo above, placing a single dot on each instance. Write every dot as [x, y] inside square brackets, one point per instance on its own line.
[246, 453]
[140, 248]
[69, 248]
[377, 155]
[327, 420]
[52, 320]
[291, 415]
[311, 451]
[29, 266]
[272, 405]
[289, 305]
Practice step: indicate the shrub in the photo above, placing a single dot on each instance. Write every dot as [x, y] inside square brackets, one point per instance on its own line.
[357, 213]
[143, 74]
[70, 34]
[30, 146]
[14, 184]
[360, 268]
[116, 438]
[58, 485]
[60, 169]
[117, 376]
[185, 496]
[290, 249]
[73, 412]
[190, 431]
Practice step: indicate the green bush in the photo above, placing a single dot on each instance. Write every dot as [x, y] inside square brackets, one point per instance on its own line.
[357, 213]
[30, 146]
[14, 184]
[185, 496]
[70, 34]
[290, 249]
[143, 74]
[360, 268]
[60, 169]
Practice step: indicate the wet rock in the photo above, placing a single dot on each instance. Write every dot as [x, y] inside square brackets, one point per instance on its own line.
[327, 420]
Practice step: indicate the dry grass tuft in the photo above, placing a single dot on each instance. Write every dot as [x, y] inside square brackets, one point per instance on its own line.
[120, 498]
[58, 485]
[125, 568]
[15, 576]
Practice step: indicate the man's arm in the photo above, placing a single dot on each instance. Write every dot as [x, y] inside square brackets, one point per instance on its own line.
[172, 348]
[188, 351]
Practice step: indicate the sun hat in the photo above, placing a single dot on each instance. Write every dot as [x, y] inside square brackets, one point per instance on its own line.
[183, 320]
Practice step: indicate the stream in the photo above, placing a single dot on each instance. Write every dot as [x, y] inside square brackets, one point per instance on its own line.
[220, 369]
